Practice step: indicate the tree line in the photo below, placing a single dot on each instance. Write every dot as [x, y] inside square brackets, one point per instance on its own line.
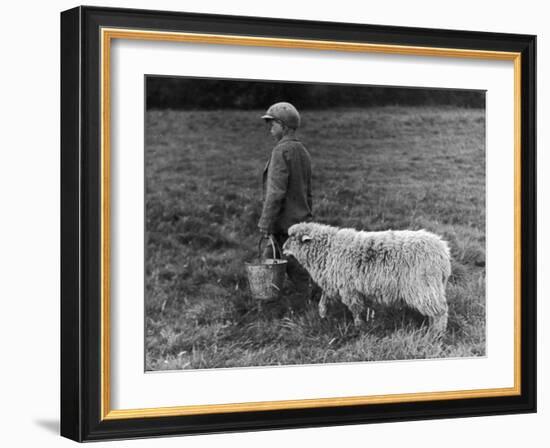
[209, 93]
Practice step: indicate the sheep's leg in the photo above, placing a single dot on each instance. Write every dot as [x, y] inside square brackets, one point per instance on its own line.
[439, 322]
[354, 301]
[429, 299]
[323, 305]
[439, 313]
[357, 318]
[368, 303]
[369, 315]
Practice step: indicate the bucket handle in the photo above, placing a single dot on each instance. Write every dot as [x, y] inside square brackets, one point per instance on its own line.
[275, 247]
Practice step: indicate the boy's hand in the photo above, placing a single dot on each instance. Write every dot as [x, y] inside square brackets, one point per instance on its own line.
[265, 233]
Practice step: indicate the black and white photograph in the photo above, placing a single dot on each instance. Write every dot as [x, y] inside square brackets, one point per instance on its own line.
[292, 223]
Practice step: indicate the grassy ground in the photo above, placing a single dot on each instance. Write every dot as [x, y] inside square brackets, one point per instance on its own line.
[381, 168]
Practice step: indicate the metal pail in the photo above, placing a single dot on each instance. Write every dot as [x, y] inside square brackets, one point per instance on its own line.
[267, 277]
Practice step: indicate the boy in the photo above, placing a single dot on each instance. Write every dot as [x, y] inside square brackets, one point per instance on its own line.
[286, 187]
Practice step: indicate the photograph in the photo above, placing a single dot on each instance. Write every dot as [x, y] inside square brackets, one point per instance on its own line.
[300, 223]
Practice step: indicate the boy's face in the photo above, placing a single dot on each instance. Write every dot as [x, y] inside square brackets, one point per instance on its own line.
[276, 129]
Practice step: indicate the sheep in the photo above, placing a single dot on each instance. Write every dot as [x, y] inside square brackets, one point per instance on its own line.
[401, 267]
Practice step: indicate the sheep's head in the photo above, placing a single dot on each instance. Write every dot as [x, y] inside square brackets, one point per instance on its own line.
[298, 237]
[302, 239]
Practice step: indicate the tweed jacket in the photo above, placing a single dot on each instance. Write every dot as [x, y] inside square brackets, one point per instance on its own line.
[286, 187]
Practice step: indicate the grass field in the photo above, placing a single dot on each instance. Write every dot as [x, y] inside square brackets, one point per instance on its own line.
[373, 169]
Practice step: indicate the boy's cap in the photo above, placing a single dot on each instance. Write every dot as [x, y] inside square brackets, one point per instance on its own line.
[285, 113]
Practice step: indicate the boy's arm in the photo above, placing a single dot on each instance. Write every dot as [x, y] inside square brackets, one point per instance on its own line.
[276, 188]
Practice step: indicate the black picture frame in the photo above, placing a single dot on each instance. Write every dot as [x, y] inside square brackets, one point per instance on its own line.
[81, 256]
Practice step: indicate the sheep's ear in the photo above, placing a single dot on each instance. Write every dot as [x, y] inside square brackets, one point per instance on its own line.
[306, 238]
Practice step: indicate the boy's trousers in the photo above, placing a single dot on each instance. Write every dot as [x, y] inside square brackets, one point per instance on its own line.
[298, 275]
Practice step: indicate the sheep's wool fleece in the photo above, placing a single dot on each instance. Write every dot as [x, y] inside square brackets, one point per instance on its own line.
[386, 267]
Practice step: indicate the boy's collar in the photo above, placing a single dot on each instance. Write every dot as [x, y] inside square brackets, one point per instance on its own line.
[287, 138]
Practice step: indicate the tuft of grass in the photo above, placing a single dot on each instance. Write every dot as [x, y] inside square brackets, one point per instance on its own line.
[375, 169]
